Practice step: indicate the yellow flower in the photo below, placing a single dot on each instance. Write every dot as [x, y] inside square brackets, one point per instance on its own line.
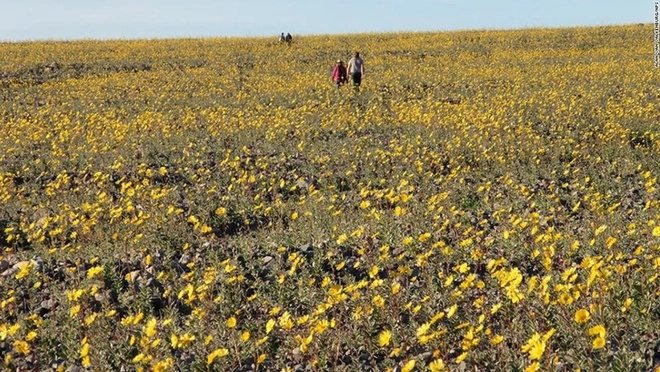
[600, 229]
[408, 366]
[626, 304]
[597, 330]
[84, 350]
[451, 311]
[423, 329]
[582, 316]
[437, 365]
[535, 347]
[656, 231]
[150, 328]
[231, 322]
[598, 343]
[274, 311]
[217, 353]
[21, 347]
[424, 237]
[269, 325]
[378, 301]
[461, 357]
[536, 351]
[163, 365]
[384, 338]
[186, 340]
[94, 271]
[24, 271]
[533, 367]
[496, 340]
[138, 358]
[245, 336]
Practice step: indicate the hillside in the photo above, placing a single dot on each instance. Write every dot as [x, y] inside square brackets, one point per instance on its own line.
[488, 201]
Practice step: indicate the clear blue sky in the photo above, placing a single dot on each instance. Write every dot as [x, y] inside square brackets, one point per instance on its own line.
[103, 19]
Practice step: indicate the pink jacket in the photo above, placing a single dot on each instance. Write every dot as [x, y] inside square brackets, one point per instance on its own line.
[339, 73]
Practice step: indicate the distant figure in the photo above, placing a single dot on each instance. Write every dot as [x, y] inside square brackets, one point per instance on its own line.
[339, 74]
[282, 37]
[288, 38]
[356, 70]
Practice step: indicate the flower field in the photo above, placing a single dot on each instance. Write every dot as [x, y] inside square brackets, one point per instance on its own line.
[488, 201]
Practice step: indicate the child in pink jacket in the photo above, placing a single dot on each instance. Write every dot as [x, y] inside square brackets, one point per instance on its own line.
[339, 74]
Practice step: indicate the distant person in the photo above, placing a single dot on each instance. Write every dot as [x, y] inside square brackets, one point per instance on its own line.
[282, 37]
[356, 70]
[288, 38]
[339, 74]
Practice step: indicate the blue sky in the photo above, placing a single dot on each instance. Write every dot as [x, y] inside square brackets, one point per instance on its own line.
[112, 19]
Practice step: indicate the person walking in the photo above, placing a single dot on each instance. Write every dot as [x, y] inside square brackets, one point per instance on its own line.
[339, 74]
[356, 70]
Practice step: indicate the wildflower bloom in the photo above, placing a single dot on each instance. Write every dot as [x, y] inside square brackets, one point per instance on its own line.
[598, 343]
[384, 338]
[597, 330]
[409, 366]
[94, 271]
[437, 366]
[269, 325]
[21, 347]
[217, 353]
[582, 316]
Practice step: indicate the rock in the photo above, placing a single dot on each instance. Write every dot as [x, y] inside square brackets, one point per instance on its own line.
[38, 263]
[427, 357]
[306, 247]
[266, 260]
[101, 297]
[154, 283]
[185, 259]
[46, 307]
[306, 250]
[57, 363]
[39, 216]
[302, 184]
[133, 275]
[14, 269]
[4, 265]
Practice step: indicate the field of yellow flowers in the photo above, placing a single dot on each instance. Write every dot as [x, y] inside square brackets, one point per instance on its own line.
[488, 201]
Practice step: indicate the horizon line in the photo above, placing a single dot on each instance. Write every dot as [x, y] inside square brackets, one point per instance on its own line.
[275, 35]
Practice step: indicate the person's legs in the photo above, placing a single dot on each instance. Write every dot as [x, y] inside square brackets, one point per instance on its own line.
[357, 80]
